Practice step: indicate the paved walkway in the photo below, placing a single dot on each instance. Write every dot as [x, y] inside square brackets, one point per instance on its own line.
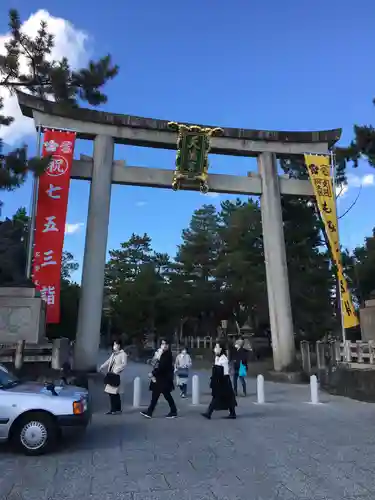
[286, 449]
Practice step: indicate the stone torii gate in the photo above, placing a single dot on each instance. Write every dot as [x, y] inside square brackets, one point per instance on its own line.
[106, 129]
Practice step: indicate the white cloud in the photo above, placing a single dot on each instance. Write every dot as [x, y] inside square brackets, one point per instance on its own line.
[356, 181]
[368, 180]
[73, 228]
[141, 203]
[69, 42]
[211, 194]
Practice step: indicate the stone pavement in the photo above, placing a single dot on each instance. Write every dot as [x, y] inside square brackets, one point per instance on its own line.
[286, 450]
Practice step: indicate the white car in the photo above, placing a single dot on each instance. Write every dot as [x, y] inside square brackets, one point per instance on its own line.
[33, 415]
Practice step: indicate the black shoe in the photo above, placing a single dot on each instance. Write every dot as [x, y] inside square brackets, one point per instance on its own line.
[231, 417]
[118, 412]
[109, 413]
[206, 415]
[145, 414]
[171, 415]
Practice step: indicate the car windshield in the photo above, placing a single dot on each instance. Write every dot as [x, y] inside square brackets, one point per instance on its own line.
[7, 379]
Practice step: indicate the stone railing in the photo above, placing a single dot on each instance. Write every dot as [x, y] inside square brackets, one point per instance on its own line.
[55, 353]
[335, 352]
[199, 342]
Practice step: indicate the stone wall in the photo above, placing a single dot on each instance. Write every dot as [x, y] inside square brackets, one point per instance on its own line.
[352, 383]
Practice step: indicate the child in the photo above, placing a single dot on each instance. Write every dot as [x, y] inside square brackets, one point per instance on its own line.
[181, 368]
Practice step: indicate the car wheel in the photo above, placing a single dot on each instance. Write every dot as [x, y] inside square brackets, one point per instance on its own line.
[35, 434]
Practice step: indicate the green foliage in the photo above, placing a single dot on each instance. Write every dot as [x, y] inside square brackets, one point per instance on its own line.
[219, 273]
[360, 269]
[47, 79]
[310, 274]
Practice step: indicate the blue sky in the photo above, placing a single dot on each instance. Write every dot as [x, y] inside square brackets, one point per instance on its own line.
[288, 65]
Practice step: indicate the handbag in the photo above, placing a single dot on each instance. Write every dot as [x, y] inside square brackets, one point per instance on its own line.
[112, 379]
[242, 371]
[182, 372]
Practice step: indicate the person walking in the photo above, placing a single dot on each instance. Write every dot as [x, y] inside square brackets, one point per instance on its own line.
[162, 383]
[239, 363]
[223, 397]
[181, 367]
[114, 383]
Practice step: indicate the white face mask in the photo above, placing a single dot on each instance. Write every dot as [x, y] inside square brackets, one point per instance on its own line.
[217, 351]
[116, 347]
[183, 352]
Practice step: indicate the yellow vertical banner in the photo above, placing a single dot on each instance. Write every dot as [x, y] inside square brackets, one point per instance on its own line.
[320, 176]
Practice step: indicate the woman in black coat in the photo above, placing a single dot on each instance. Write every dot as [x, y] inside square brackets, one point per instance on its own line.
[162, 382]
[223, 397]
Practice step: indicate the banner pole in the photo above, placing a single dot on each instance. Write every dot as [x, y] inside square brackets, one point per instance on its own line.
[34, 201]
[333, 170]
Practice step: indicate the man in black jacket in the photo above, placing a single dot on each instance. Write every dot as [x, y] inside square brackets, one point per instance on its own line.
[162, 381]
[239, 357]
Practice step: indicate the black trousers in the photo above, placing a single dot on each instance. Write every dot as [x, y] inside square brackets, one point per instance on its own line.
[156, 393]
[236, 376]
[211, 408]
[115, 401]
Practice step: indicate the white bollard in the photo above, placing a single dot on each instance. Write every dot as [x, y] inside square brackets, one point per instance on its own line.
[314, 390]
[137, 393]
[260, 389]
[195, 390]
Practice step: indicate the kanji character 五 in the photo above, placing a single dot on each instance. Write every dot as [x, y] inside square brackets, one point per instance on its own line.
[51, 146]
[48, 259]
[48, 294]
[53, 190]
[50, 224]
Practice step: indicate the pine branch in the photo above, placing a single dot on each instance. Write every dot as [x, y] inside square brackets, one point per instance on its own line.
[53, 80]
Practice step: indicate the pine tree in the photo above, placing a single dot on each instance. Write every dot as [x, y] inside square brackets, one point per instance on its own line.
[47, 79]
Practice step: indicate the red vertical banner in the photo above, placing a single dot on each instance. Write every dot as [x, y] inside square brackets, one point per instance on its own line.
[53, 192]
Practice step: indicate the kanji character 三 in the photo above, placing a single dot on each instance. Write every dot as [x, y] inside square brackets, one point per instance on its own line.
[48, 259]
[51, 146]
[48, 294]
[50, 224]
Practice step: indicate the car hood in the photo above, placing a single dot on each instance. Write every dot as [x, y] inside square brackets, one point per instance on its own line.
[69, 391]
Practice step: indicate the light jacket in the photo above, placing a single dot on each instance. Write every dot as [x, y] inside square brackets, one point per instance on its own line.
[116, 364]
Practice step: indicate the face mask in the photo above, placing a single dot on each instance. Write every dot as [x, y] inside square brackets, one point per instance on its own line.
[217, 351]
[164, 347]
[116, 347]
[183, 352]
